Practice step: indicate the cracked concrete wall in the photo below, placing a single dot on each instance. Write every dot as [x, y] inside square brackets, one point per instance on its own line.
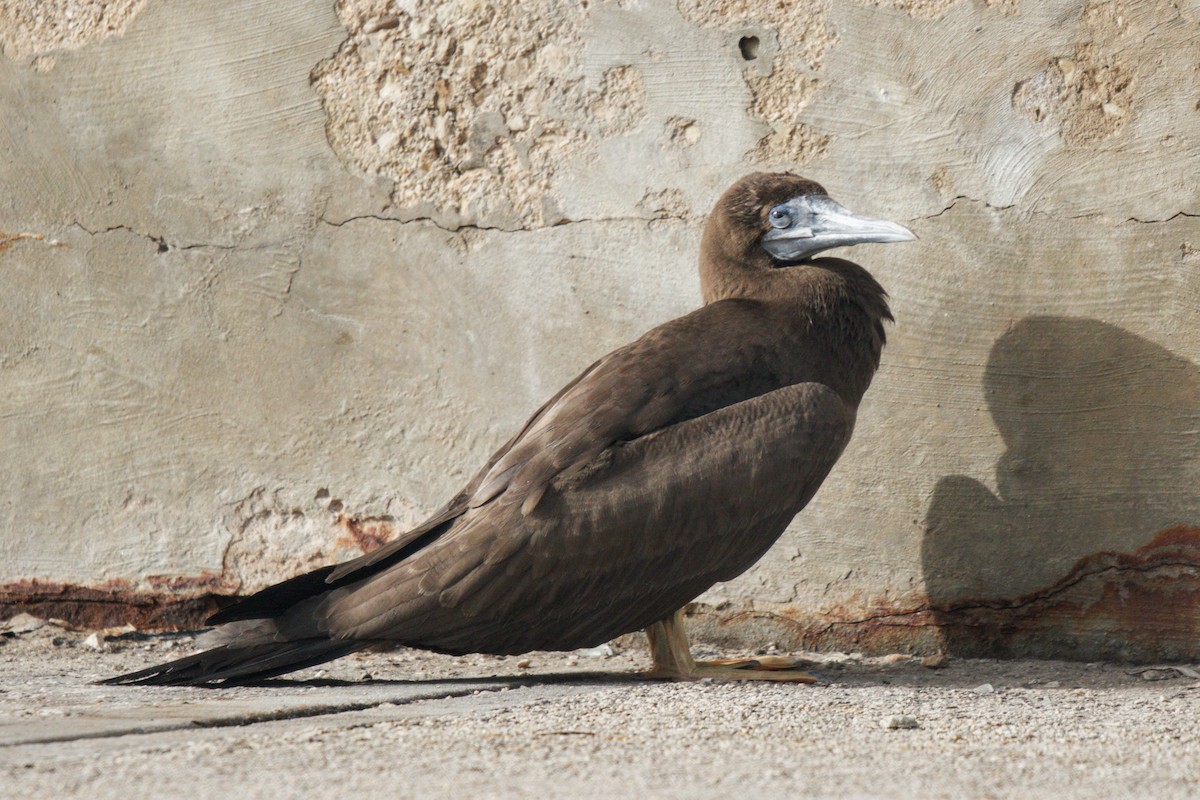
[275, 278]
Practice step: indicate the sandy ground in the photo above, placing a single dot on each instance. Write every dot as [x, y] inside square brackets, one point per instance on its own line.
[408, 724]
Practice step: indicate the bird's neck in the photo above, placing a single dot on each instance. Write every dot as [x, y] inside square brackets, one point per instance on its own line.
[829, 310]
[845, 309]
[730, 267]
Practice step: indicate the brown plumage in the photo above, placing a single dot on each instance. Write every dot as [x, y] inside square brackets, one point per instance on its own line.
[670, 464]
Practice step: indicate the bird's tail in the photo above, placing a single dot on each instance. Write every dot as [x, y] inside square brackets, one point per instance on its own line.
[274, 631]
[237, 665]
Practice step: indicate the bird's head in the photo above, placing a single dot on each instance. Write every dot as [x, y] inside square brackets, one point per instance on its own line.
[778, 219]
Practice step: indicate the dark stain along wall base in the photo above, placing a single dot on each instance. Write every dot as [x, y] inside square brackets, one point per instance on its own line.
[110, 605]
[1141, 606]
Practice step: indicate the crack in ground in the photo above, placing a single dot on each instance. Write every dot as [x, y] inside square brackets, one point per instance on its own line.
[245, 720]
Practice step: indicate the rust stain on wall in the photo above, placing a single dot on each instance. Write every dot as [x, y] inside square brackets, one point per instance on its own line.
[1140, 606]
[168, 602]
[873, 628]
[365, 533]
[112, 603]
[8, 239]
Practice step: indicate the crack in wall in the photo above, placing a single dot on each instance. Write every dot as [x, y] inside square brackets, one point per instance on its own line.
[457, 228]
[955, 201]
[163, 244]
[1038, 213]
[1171, 218]
[160, 241]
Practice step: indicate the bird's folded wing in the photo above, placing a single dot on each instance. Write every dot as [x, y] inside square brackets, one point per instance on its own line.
[669, 515]
[633, 391]
[402, 545]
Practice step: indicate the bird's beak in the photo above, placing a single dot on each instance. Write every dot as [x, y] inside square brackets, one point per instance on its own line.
[817, 223]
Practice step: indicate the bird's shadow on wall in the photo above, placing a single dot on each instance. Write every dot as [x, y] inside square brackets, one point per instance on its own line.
[1100, 429]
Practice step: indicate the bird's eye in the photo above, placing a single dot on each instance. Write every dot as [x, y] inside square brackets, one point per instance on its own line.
[780, 217]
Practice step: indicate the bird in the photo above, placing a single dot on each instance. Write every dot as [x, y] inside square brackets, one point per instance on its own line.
[669, 465]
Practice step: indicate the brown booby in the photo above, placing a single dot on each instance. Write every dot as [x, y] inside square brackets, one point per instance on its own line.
[668, 465]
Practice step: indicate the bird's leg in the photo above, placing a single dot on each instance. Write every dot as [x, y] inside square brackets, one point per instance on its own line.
[673, 660]
[670, 650]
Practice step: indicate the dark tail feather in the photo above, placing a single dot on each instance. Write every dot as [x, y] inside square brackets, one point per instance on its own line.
[275, 600]
[230, 665]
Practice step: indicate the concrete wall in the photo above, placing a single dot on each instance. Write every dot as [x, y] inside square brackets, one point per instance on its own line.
[275, 277]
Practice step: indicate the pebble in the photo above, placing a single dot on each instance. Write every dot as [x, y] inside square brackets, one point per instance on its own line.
[900, 722]
[603, 651]
[524, 663]
[22, 623]
[935, 661]
[984, 688]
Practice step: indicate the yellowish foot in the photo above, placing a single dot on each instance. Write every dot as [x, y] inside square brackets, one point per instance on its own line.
[673, 660]
[759, 662]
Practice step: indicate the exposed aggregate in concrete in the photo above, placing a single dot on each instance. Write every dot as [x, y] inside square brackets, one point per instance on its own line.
[1087, 95]
[467, 107]
[35, 29]
[782, 74]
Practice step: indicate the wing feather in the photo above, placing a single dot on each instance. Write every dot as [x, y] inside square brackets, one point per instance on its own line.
[670, 514]
[399, 548]
[634, 391]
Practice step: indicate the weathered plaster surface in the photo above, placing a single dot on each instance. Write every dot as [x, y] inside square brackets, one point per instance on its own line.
[275, 278]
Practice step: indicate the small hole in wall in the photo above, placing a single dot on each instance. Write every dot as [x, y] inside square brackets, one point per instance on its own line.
[749, 47]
